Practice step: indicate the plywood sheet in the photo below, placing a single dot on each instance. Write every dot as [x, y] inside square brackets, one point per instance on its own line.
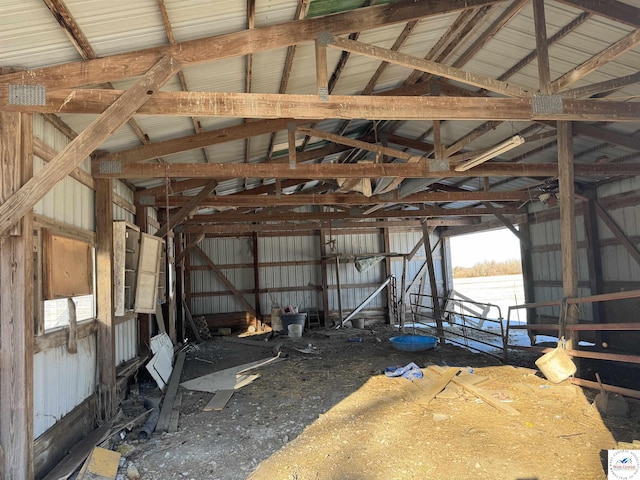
[68, 267]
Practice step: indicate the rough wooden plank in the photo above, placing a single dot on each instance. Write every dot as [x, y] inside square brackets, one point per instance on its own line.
[16, 307]
[486, 397]
[428, 389]
[79, 148]
[78, 453]
[266, 105]
[544, 74]
[192, 324]
[167, 404]
[192, 203]
[327, 171]
[219, 400]
[428, 66]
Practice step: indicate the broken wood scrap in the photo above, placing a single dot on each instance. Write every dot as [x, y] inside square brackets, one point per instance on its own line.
[102, 464]
[175, 414]
[219, 400]
[172, 389]
[429, 388]
[244, 341]
[78, 453]
[486, 396]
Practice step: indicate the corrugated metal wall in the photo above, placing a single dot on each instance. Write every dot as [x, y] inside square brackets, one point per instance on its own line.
[619, 270]
[291, 272]
[62, 381]
[292, 251]
[126, 334]
[364, 243]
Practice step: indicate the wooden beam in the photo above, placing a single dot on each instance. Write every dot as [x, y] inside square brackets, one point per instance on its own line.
[426, 238]
[371, 147]
[504, 18]
[322, 77]
[540, 26]
[371, 85]
[191, 204]
[243, 301]
[621, 12]
[352, 198]
[602, 87]
[608, 136]
[107, 398]
[349, 215]
[410, 143]
[623, 45]
[314, 226]
[221, 171]
[409, 61]
[199, 140]
[617, 231]
[594, 259]
[507, 223]
[264, 105]
[235, 44]
[568, 238]
[78, 149]
[17, 305]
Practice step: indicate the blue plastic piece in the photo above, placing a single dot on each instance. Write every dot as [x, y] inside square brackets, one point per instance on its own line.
[413, 343]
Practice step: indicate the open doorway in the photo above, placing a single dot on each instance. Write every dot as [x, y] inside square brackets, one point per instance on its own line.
[487, 268]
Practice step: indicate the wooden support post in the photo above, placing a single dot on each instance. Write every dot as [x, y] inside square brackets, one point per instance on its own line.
[16, 307]
[291, 137]
[527, 272]
[104, 296]
[256, 277]
[540, 25]
[403, 300]
[321, 65]
[323, 273]
[180, 326]
[594, 261]
[144, 319]
[432, 282]
[170, 297]
[569, 244]
[388, 271]
[339, 289]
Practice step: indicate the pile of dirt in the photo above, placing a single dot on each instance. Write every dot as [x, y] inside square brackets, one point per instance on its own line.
[332, 413]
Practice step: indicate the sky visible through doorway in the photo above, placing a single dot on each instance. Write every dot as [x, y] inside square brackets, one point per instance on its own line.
[498, 245]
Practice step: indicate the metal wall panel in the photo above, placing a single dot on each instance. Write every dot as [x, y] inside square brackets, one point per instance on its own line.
[61, 381]
[69, 201]
[126, 334]
[125, 192]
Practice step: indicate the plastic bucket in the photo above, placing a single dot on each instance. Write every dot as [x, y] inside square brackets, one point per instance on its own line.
[357, 322]
[556, 365]
[295, 330]
[290, 319]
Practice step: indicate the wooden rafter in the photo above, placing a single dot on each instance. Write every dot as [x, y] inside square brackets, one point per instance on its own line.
[199, 140]
[397, 58]
[77, 37]
[230, 45]
[78, 149]
[602, 87]
[357, 170]
[301, 12]
[231, 217]
[618, 11]
[542, 48]
[613, 51]
[264, 105]
[245, 199]
[183, 80]
[187, 208]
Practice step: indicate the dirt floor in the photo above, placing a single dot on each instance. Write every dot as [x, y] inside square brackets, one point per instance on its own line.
[333, 415]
